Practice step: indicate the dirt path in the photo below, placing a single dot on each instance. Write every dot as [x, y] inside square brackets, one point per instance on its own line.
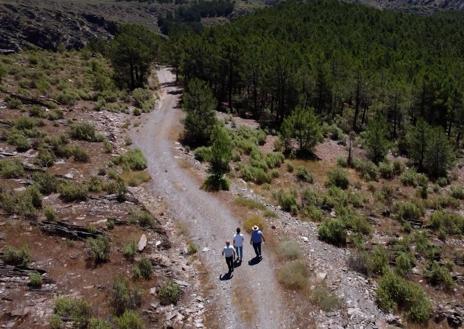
[251, 298]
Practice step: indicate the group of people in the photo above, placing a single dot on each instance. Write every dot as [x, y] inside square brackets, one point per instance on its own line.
[234, 253]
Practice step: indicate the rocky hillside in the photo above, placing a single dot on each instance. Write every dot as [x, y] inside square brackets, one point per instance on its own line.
[418, 6]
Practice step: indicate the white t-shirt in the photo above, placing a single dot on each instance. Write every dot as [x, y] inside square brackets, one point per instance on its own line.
[238, 240]
[228, 251]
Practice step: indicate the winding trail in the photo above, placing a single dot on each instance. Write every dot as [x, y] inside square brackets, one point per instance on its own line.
[251, 298]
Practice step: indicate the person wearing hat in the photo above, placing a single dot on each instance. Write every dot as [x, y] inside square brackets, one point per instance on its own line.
[229, 253]
[257, 238]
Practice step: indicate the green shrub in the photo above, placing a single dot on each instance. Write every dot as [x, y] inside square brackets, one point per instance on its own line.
[132, 159]
[311, 198]
[303, 175]
[11, 168]
[46, 182]
[17, 257]
[255, 175]
[287, 201]
[411, 178]
[85, 132]
[377, 261]
[203, 153]
[99, 249]
[438, 275]
[313, 213]
[367, 169]
[398, 167]
[67, 97]
[442, 202]
[169, 293]
[394, 292]
[129, 320]
[338, 177]
[457, 192]
[442, 181]
[386, 170]
[77, 311]
[49, 213]
[23, 203]
[129, 250]
[45, 158]
[324, 298]
[447, 222]
[143, 99]
[356, 223]
[424, 247]
[124, 297]
[55, 322]
[289, 250]
[409, 211]
[249, 203]
[25, 123]
[99, 324]
[216, 183]
[13, 103]
[192, 248]
[293, 275]
[404, 263]
[274, 159]
[142, 217]
[342, 162]
[19, 140]
[73, 191]
[35, 280]
[333, 231]
[143, 269]
[79, 154]
[107, 146]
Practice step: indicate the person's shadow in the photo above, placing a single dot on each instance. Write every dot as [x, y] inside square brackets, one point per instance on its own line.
[255, 261]
[237, 263]
[226, 276]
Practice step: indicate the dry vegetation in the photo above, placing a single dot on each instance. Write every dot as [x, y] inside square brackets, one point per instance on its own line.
[70, 226]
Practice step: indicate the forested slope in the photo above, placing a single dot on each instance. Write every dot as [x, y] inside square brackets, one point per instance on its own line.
[346, 61]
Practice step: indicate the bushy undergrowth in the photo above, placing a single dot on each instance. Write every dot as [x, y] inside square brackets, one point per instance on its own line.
[287, 200]
[77, 311]
[394, 292]
[132, 159]
[143, 269]
[293, 275]
[129, 320]
[289, 250]
[124, 297]
[129, 250]
[141, 217]
[11, 168]
[85, 132]
[304, 175]
[439, 275]
[252, 221]
[338, 177]
[447, 222]
[333, 231]
[99, 249]
[73, 191]
[17, 257]
[169, 293]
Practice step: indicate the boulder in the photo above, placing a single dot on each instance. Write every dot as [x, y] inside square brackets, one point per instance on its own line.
[142, 242]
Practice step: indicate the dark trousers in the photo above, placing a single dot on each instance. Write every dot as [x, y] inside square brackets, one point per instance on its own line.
[257, 248]
[230, 263]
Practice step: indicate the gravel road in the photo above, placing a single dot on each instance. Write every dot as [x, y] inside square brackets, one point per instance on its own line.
[251, 298]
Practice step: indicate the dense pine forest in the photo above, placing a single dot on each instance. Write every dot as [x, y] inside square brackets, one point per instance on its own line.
[347, 62]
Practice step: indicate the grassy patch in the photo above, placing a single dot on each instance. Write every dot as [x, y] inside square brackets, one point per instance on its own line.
[249, 203]
[293, 275]
[135, 178]
[252, 221]
[169, 293]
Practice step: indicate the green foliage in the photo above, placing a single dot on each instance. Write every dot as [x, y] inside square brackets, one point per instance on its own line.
[199, 103]
[338, 177]
[124, 297]
[143, 99]
[411, 178]
[303, 126]
[287, 200]
[18, 139]
[252, 221]
[404, 263]
[439, 275]
[132, 52]
[203, 153]
[129, 320]
[192, 248]
[409, 211]
[333, 231]
[45, 158]
[293, 275]
[367, 169]
[77, 311]
[50, 213]
[439, 155]
[17, 257]
[395, 292]
[85, 132]
[375, 139]
[221, 154]
[35, 280]
[324, 298]
[99, 324]
[99, 249]
[129, 250]
[143, 269]
[304, 175]
[79, 154]
[457, 192]
[46, 182]
[24, 203]
[255, 175]
[377, 261]
[447, 222]
[169, 293]
[142, 217]
[73, 191]
[11, 168]
[132, 159]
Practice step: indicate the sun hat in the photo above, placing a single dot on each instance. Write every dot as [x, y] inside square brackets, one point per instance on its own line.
[255, 228]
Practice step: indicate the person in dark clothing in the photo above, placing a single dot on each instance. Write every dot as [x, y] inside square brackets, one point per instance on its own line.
[229, 253]
[257, 238]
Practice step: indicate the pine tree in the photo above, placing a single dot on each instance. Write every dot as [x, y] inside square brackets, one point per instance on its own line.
[439, 155]
[375, 139]
[199, 103]
[221, 154]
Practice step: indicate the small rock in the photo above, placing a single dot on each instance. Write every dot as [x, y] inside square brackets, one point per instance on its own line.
[304, 238]
[321, 276]
[153, 291]
[142, 242]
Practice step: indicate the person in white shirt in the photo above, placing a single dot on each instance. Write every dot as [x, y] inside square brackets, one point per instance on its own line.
[238, 244]
[229, 253]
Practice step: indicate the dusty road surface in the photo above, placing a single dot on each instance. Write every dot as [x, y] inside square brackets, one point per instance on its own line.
[251, 298]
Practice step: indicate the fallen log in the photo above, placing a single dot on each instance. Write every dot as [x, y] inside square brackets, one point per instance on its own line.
[70, 231]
